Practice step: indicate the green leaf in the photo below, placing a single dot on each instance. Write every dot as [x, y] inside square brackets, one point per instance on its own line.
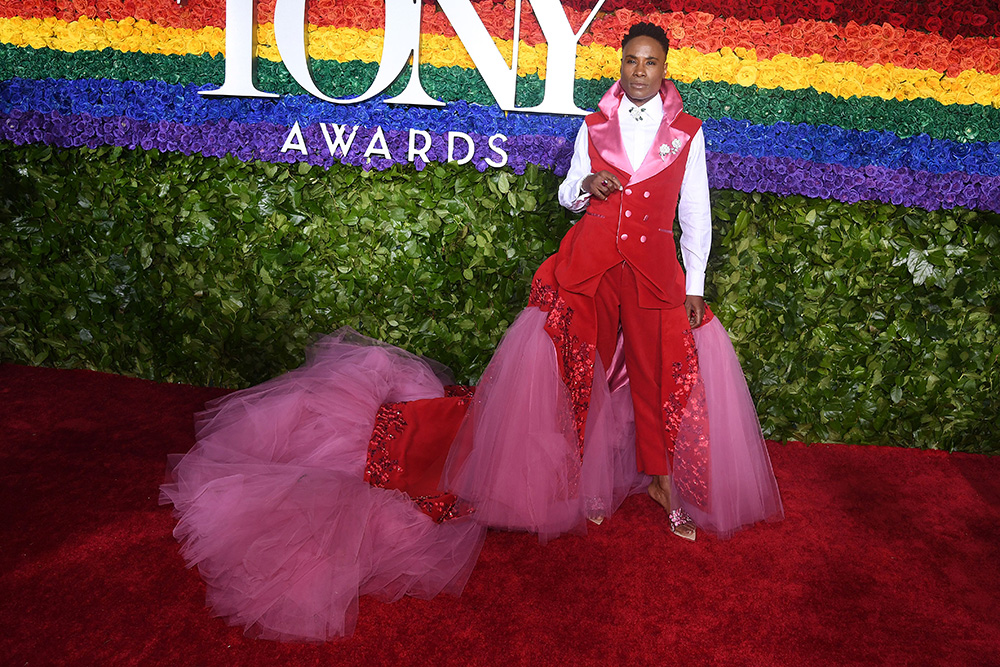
[919, 266]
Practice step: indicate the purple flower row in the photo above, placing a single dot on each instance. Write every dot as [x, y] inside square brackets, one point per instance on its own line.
[153, 101]
[901, 186]
[264, 141]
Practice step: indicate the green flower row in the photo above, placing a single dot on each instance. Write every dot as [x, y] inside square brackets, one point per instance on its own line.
[705, 99]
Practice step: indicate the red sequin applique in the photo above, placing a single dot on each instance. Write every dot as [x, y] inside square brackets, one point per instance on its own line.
[685, 375]
[380, 466]
[686, 420]
[442, 507]
[459, 391]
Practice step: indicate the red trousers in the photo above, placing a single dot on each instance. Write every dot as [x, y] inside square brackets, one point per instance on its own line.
[659, 355]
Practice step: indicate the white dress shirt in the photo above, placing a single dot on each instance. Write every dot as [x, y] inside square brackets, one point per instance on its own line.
[638, 127]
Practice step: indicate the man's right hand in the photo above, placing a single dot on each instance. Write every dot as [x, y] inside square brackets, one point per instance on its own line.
[601, 184]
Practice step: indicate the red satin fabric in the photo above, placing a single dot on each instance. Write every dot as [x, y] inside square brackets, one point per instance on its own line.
[408, 448]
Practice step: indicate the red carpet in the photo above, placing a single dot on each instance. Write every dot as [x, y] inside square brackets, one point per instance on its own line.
[887, 557]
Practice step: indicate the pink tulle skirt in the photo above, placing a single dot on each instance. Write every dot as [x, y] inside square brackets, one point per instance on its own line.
[274, 510]
[742, 488]
[516, 456]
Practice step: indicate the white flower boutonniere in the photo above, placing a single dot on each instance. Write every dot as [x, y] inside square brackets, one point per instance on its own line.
[673, 149]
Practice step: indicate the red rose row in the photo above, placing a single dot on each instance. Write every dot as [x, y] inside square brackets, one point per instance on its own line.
[949, 18]
[970, 18]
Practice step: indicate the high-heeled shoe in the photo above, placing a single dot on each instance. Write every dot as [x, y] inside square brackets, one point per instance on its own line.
[678, 519]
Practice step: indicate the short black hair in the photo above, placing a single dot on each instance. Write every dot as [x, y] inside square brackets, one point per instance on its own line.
[647, 30]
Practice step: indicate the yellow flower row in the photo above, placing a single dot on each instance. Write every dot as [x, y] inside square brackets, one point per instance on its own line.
[739, 66]
[845, 80]
[128, 35]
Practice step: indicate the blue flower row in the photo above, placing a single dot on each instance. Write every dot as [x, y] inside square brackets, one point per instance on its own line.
[153, 101]
[851, 148]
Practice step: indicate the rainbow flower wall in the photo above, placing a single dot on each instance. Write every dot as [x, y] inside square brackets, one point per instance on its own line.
[797, 98]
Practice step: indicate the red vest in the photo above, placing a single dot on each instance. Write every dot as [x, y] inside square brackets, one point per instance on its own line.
[634, 225]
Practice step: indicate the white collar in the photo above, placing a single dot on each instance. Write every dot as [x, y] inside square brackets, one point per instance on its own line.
[651, 110]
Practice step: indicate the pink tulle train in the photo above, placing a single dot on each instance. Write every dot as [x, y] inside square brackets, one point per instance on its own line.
[274, 511]
[517, 461]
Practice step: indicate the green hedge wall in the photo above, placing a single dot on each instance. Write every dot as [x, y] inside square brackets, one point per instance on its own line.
[864, 323]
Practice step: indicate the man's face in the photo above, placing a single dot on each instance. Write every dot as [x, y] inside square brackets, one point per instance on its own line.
[643, 65]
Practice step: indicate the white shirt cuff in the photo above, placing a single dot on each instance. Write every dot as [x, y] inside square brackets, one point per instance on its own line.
[696, 284]
[575, 199]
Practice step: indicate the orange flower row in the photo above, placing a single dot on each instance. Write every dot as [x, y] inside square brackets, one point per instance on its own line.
[865, 45]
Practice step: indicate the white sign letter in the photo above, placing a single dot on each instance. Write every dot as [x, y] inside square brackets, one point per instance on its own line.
[339, 142]
[378, 138]
[470, 146]
[560, 63]
[414, 151]
[241, 27]
[295, 141]
[499, 78]
[498, 150]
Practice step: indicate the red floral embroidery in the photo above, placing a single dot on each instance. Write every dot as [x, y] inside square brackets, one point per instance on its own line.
[691, 450]
[686, 375]
[576, 357]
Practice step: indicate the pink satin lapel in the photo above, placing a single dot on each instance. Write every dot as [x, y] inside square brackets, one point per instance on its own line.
[606, 137]
[666, 136]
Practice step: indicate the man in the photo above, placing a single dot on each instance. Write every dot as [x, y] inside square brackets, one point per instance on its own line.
[517, 460]
[637, 161]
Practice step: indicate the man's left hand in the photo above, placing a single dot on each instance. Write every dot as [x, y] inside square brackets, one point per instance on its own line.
[695, 307]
